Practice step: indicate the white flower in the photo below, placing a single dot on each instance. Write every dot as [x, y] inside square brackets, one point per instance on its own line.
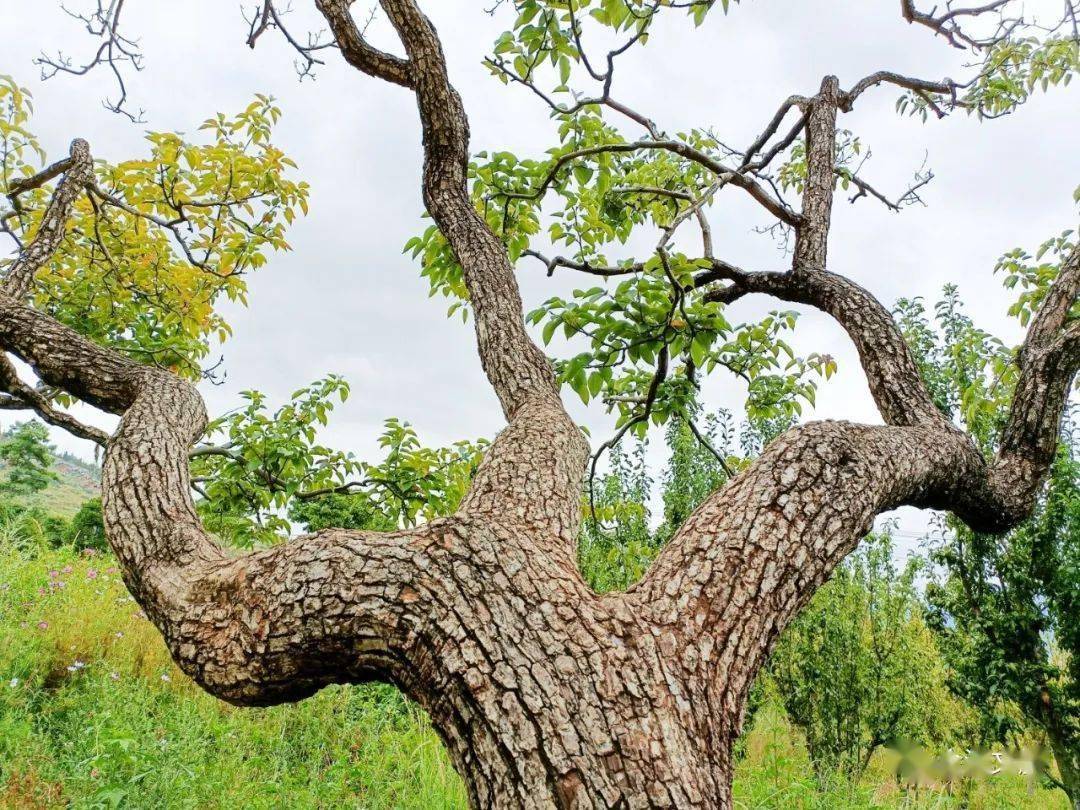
[76, 665]
[14, 683]
[166, 678]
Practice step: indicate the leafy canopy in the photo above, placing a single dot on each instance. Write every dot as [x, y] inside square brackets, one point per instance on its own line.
[157, 242]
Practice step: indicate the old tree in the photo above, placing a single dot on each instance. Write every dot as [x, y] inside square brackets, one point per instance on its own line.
[545, 692]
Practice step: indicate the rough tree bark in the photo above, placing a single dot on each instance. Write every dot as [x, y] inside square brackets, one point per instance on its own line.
[545, 693]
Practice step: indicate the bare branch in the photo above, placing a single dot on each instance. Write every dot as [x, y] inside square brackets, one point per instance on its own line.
[947, 26]
[909, 197]
[115, 51]
[270, 17]
[724, 174]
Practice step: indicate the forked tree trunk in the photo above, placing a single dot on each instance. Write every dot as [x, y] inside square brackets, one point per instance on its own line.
[546, 694]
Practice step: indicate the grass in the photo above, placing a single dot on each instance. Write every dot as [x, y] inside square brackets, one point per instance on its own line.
[94, 714]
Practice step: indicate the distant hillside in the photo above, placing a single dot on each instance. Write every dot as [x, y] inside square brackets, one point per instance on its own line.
[79, 481]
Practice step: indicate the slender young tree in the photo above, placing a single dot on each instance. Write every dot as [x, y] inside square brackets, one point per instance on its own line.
[28, 456]
[545, 693]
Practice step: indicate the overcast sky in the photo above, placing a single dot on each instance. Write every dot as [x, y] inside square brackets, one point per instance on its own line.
[347, 301]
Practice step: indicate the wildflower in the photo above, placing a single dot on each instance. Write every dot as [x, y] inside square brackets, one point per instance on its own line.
[66, 569]
[94, 773]
[166, 678]
[91, 573]
[41, 591]
[114, 676]
[14, 683]
[76, 665]
[111, 569]
[43, 625]
[54, 574]
[89, 552]
[119, 634]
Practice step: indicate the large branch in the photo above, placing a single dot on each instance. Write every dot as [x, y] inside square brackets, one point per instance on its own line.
[222, 616]
[22, 395]
[754, 552]
[1048, 360]
[541, 454]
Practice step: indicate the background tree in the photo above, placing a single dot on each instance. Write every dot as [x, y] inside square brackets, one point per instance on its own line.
[859, 669]
[87, 527]
[1006, 607]
[544, 692]
[28, 458]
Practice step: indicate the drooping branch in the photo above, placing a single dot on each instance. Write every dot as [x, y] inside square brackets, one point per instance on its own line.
[926, 89]
[909, 197]
[21, 395]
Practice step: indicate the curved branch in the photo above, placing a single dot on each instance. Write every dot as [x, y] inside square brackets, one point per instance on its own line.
[357, 51]
[945, 25]
[946, 87]
[222, 616]
[891, 372]
[1048, 361]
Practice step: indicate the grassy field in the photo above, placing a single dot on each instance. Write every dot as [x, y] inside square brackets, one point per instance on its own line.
[94, 714]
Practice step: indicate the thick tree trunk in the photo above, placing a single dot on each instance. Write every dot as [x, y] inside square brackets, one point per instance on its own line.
[546, 694]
